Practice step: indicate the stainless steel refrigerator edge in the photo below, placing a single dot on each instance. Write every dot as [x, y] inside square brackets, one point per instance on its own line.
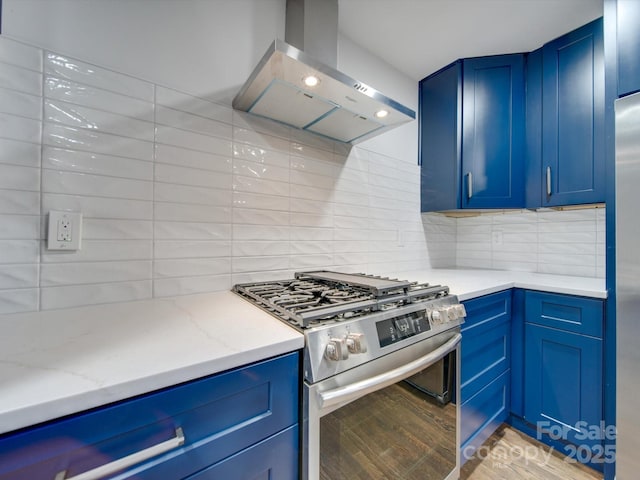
[628, 286]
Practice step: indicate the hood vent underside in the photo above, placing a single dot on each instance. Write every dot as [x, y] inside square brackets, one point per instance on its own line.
[338, 107]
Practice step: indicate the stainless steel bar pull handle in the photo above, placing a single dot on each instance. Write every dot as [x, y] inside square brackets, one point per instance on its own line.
[548, 181]
[128, 461]
[469, 185]
[363, 387]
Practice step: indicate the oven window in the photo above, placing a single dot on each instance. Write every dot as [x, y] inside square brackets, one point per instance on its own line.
[395, 433]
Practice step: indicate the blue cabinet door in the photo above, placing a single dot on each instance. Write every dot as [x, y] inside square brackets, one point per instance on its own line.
[628, 33]
[439, 116]
[563, 383]
[493, 132]
[573, 118]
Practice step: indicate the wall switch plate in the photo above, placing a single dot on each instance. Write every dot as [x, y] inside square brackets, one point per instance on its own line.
[65, 231]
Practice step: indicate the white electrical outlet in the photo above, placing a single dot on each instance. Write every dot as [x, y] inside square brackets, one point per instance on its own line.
[65, 231]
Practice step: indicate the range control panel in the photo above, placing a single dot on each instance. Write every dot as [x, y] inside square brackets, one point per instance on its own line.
[395, 329]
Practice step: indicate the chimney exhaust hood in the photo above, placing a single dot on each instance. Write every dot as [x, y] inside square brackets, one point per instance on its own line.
[296, 88]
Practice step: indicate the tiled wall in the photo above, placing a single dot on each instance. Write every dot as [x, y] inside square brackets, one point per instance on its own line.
[179, 194]
[559, 242]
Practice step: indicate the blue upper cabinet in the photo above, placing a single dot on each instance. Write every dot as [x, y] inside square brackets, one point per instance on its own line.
[472, 134]
[440, 139]
[628, 33]
[493, 132]
[573, 118]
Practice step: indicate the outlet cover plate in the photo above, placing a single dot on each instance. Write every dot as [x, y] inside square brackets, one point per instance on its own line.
[64, 231]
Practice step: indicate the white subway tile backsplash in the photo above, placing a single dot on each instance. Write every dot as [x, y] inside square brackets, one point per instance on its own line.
[193, 123]
[166, 287]
[98, 207]
[19, 227]
[19, 202]
[166, 230]
[256, 138]
[260, 217]
[192, 176]
[95, 163]
[73, 138]
[19, 153]
[167, 192]
[57, 274]
[191, 158]
[23, 104]
[95, 185]
[65, 113]
[260, 232]
[21, 79]
[19, 300]
[88, 96]
[195, 141]
[311, 233]
[74, 70]
[257, 201]
[102, 251]
[191, 248]
[184, 212]
[77, 295]
[19, 251]
[260, 170]
[248, 248]
[197, 106]
[107, 229]
[304, 262]
[252, 264]
[23, 129]
[17, 53]
[260, 186]
[186, 267]
[18, 276]
[19, 178]
[243, 151]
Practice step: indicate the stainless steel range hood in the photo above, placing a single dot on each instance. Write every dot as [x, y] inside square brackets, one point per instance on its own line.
[338, 106]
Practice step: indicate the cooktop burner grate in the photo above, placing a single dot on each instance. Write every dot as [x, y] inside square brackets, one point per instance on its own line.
[314, 298]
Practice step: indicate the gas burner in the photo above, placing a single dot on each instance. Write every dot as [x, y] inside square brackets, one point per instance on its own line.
[315, 298]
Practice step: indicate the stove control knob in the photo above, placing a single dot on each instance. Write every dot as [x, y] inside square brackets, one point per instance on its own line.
[336, 350]
[356, 343]
[452, 313]
[436, 317]
[460, 310]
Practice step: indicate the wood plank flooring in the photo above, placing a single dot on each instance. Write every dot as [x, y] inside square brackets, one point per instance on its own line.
[511, 455]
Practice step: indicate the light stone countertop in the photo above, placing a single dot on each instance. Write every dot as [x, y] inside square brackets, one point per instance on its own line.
[58, 362]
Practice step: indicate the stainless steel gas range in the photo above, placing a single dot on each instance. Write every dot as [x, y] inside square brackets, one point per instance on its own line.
[380, 373]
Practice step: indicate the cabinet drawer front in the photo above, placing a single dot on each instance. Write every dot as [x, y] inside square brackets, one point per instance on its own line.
[482, 414]
[572, 314]
[490, 308]
[219, 415]
[485, 356]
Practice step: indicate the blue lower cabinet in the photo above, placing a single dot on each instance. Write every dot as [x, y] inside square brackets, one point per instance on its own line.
[177, 432]
[274, 458]
[563, 388]
[485, 375]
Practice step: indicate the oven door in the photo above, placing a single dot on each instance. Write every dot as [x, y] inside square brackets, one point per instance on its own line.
[369, 423]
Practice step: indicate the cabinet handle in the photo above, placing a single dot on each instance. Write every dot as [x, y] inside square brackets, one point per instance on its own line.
[128, 461]
[548, 181]
[469, 185]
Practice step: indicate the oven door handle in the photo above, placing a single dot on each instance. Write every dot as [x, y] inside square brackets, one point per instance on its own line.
[359, 389]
